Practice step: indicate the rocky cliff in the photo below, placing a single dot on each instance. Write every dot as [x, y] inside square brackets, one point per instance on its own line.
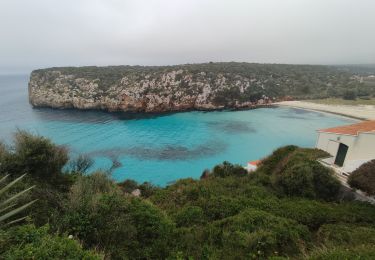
[175, 88]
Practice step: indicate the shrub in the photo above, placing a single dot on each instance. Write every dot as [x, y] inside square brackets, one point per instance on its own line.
[364, 178]
[8, 201]
[307, 212]
[80, 164]
[38, 157]
[43, 161]
[298, 181]
[196, 242]
[29, 242]
[346, 234]
[254, 231]
[100, 215]
[349, 95]
[95, 212]
[189, 216]
[128, 185]
[326, 185]
[339, 253]
[295, 172]
[6, 159]
[272, 163]
[309, 179]
[147, 189]
[153, 228]
[227, 169]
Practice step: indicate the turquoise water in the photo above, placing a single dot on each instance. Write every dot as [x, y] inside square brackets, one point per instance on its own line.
[161, 149]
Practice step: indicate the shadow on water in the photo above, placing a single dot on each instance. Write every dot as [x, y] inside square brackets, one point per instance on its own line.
[165, 153]
[300, 111]
[294, 117]
[90, 116]
[232, 127]
[296, 113]
[102, 116]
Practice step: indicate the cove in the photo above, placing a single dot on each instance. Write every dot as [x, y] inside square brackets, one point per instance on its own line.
[161, 148]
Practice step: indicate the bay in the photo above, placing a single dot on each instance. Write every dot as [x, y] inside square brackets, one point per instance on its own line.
[160, 148]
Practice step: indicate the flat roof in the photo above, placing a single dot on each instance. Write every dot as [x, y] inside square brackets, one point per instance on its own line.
[354, 129]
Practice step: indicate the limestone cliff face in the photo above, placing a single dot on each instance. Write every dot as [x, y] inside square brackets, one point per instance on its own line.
[184, 87]
[149, 91]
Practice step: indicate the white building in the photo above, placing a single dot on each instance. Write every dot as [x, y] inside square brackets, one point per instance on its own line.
[350, 146]
[252, 166]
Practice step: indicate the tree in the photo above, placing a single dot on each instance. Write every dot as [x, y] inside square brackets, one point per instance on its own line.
[349, 95]
[38, 156]
[80, 164]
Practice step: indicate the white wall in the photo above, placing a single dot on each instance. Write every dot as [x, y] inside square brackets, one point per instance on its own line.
[361, 147]
[364, 147]
[329, 142]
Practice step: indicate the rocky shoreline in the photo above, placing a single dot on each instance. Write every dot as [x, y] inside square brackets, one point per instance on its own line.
[207, 87]
[56, 89]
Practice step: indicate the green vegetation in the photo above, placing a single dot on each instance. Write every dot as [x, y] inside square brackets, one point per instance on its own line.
[349, 95]
[363, 178]
[290, 208]
[30, 242]
[8, 207]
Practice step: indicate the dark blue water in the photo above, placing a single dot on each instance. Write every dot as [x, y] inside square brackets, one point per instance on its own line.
[163, 148]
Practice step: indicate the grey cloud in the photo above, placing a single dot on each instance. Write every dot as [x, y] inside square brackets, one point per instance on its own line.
[43, 33]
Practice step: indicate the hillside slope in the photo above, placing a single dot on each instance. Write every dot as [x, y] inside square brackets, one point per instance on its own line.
[291, 207]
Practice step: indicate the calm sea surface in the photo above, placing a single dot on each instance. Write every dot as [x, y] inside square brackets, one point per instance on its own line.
[160, 149]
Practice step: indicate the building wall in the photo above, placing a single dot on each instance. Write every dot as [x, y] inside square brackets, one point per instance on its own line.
[364, 147]
[360, 147]
[329, 142]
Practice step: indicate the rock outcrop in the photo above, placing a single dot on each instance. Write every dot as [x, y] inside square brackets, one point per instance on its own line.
[159, 89]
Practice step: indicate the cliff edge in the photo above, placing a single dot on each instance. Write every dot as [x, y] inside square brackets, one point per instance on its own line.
[175, 88]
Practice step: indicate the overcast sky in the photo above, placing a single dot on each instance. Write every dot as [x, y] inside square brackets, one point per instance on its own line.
[43, 33]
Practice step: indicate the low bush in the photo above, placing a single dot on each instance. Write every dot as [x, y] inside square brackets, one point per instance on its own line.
[339, 253]
[43, 162]
[271, 164]
[227, 169]
[260, 233]
[346, 234]
[30, 242]
[298, 181]
[295, 172]
[349, 95]
[363, 178]
[189, 216]
[100, 215]
[128, 185]
[38, 157]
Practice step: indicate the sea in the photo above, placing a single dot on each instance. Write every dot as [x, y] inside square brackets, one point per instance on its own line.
[160, 148]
